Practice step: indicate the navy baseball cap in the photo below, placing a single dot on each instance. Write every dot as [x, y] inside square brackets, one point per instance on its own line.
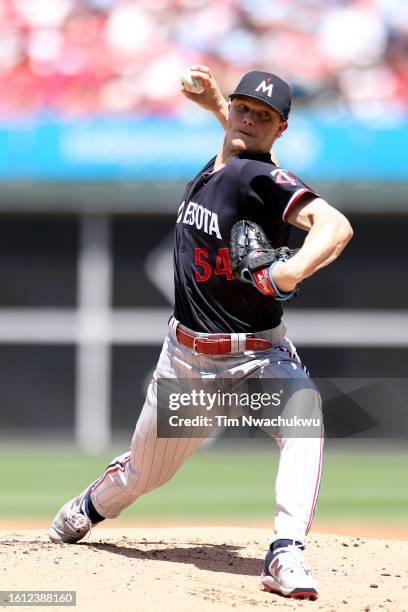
[268, 88]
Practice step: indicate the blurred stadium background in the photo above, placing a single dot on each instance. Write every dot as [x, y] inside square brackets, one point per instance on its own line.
[96, 143]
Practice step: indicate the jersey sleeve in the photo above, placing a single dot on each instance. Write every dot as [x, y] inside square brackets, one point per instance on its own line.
[269, 193]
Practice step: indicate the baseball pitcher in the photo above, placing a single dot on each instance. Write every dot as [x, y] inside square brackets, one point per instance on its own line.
[233, 272]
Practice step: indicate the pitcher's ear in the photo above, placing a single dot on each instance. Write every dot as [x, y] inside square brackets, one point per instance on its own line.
[282, 127]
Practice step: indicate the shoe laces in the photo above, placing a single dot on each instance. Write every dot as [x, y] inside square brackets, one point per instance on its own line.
[295, 551]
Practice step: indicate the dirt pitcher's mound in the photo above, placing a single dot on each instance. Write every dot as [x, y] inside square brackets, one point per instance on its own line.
[201, 569]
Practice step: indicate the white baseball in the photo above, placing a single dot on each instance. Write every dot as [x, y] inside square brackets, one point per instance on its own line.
[189, 83]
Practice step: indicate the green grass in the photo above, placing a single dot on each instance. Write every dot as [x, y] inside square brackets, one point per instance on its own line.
[216, 484]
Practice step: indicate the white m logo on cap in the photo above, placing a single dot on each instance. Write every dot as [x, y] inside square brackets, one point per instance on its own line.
[265, 88]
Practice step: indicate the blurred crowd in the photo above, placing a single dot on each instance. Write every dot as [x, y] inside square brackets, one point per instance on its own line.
[82, 57]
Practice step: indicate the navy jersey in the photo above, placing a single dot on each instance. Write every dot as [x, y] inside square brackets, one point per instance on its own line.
[207, 297]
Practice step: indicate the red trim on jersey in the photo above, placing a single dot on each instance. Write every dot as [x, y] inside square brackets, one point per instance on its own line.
[293, 201]
[118, 468]
[317, 486]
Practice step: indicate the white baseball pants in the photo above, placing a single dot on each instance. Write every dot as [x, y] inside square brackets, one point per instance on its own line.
[152, 461]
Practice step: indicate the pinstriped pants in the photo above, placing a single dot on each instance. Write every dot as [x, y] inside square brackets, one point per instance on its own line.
[152, 461]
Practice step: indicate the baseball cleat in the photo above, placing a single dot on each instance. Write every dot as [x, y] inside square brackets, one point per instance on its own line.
[284, 573]
[70, 524]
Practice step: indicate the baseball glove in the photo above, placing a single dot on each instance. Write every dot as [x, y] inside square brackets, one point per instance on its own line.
[253, 258]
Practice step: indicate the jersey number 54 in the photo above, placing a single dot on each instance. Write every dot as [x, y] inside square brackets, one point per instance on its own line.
[204, 269]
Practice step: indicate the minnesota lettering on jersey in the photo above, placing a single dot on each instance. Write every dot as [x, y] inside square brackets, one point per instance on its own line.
[200, 217]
